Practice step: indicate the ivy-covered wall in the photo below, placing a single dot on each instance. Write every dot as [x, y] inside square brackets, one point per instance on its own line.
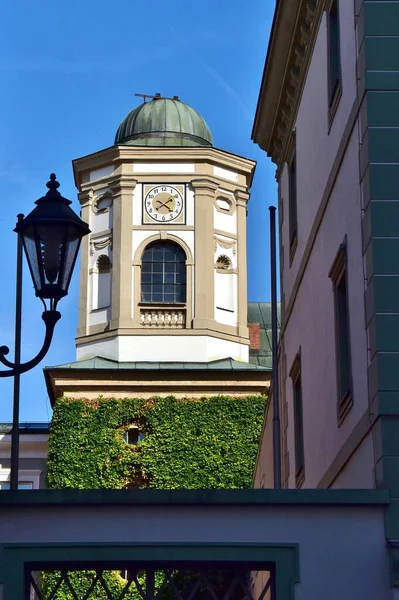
[188, 443]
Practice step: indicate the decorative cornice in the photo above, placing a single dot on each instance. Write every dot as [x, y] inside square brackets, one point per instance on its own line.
[241, 197]
[100, 244]
[122, 184]
[86, 197]
[206, 186]
[276, 139]
[302, 44]
[117, 155]
[226, 244]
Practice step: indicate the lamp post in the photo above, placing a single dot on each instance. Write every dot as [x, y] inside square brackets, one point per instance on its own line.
[50, 236]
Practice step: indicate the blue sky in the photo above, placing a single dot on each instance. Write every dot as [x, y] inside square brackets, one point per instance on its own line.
[69, 72]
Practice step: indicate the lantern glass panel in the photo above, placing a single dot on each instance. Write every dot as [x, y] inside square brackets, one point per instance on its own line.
[31, 255]
[71, 251]
[51, 242]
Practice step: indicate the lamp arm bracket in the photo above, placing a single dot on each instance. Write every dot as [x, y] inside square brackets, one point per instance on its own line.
[50, 318]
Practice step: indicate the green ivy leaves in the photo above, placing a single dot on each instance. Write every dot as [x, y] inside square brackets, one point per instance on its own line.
[189, 443]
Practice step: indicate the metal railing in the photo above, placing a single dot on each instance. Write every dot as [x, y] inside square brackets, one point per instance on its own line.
[132, 582]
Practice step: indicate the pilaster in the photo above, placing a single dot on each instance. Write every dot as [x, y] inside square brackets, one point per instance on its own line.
[204, 311]
[121, 298]
[241, 204]
[86, 202]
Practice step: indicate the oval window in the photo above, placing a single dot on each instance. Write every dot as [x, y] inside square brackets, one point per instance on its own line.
[103, 203]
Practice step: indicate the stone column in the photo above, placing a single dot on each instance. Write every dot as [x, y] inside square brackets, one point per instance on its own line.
[242, 313]
[121, 297]
[204, 293]
[86, 202]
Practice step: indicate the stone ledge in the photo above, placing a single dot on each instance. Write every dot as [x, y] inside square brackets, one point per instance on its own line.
[306, 497]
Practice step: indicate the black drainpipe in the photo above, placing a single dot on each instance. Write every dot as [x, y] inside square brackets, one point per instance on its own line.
[276, 406]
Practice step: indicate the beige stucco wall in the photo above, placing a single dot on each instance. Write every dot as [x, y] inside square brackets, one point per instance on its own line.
[204, 231]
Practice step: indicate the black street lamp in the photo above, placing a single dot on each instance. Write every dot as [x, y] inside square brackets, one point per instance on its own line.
[50, 236]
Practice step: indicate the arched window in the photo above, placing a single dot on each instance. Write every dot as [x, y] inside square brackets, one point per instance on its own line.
[163, 274]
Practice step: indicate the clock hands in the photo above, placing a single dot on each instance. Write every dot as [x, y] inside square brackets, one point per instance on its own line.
[161, 204]
[165, 204]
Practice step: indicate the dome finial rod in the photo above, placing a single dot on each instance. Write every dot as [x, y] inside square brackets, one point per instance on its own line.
[156, 97]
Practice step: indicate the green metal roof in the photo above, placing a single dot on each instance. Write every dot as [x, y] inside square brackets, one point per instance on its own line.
[98, 363]
[27, 427]
[261, 312]
[259, 360]
[164, 122]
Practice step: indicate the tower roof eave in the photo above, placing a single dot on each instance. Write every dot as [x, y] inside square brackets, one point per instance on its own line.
[119, 153]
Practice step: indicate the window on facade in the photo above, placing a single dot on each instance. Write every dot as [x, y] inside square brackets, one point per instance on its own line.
[103, 203]
[334, 56]
[338, 276]
[22, 485]
[101, 283]
[224, 204]
[133, 435]
[163, 274]
[293, 224]
[296, 377]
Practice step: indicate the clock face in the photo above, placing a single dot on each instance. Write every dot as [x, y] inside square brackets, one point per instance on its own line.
[163, 203]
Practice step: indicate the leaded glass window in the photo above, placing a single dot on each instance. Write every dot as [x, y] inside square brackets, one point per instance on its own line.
[163, 274]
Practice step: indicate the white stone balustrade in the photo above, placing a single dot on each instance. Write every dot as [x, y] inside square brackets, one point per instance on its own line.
[163, 318]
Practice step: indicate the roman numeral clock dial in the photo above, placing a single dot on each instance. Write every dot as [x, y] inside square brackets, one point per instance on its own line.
[163, 204]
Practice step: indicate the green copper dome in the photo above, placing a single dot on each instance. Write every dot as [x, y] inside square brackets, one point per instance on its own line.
[164, 122]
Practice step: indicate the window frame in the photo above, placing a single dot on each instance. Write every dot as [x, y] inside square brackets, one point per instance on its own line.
[140, 435]
[334, 88]
[175, 284]
[21, 485]
[338, 274]
[297, 401]
[293, 199]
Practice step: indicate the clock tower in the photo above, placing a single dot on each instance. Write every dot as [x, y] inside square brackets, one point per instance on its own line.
[163, 272]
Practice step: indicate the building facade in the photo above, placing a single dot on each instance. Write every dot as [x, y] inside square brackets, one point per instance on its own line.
[328, 116]
[163, 273]
[33, 453]
[163, 305]
[167, 252]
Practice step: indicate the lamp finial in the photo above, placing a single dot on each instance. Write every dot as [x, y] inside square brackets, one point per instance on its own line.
[53, 184]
